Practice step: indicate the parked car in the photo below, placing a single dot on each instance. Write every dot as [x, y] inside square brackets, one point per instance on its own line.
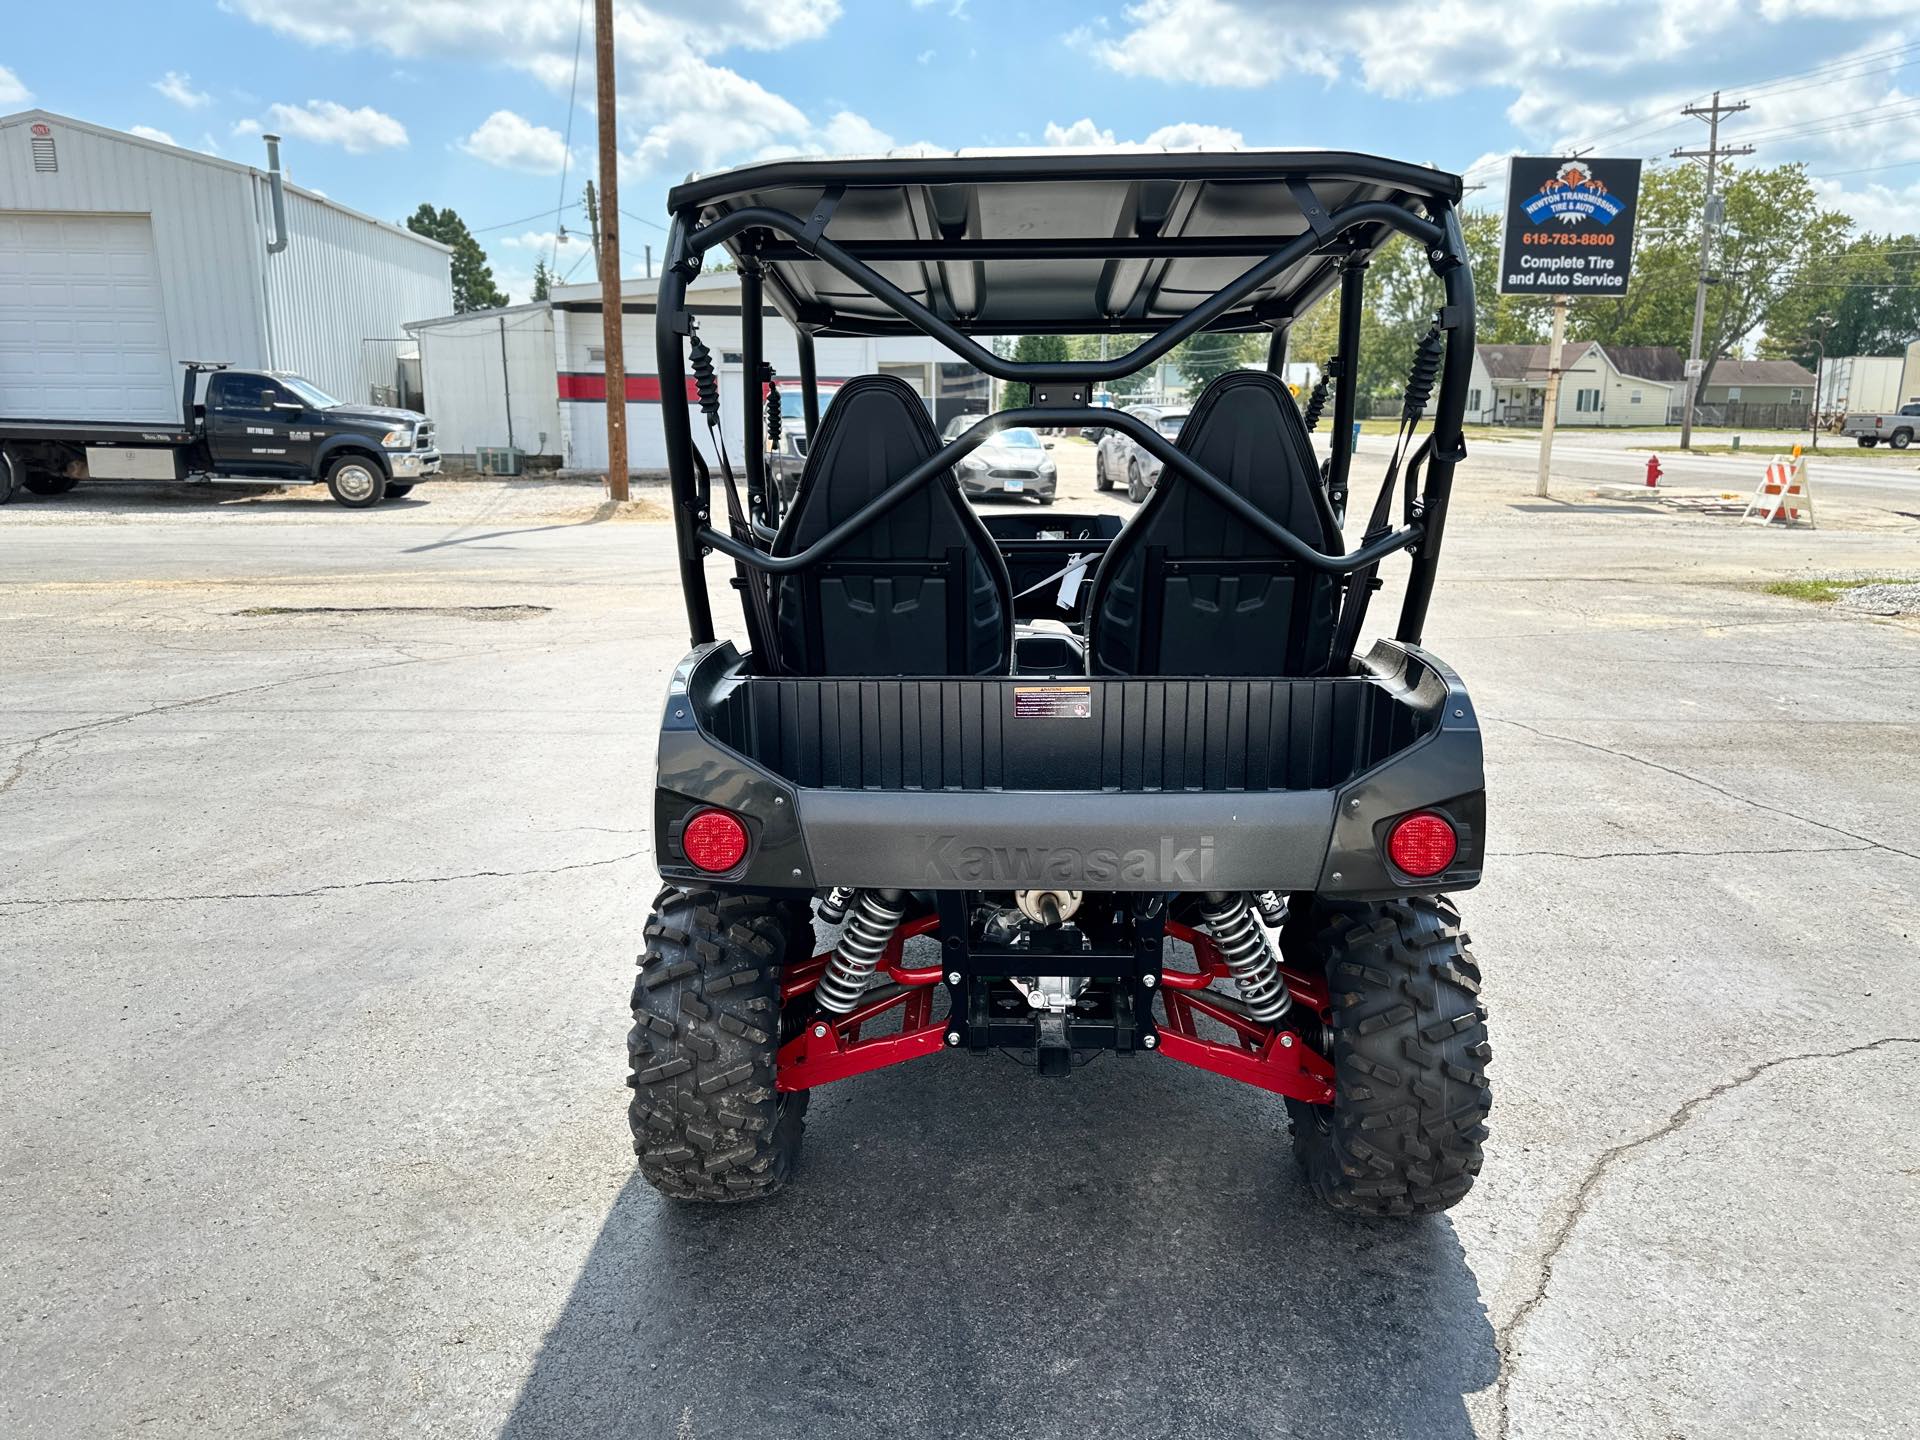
[1013, 462]
[1870, 427]
[255, 426]
[1121, 459]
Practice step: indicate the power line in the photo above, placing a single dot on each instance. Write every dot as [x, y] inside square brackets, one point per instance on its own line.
[566, 146]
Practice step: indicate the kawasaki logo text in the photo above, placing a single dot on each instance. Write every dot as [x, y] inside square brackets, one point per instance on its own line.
[1176, 864]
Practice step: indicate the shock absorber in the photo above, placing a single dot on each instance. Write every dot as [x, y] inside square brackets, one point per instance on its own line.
[876, 914]
[833, 909]
[1243, 945]
[1273, 909]
[1317, 400]
[773, 404]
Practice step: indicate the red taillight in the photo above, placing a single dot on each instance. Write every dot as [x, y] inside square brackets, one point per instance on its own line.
[1422, 844]
[714, 841]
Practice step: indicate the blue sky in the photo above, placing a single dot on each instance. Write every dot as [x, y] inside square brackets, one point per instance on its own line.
[387, 103]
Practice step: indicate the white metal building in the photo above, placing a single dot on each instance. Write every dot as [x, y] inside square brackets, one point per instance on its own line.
[121, 257]
[543, 367]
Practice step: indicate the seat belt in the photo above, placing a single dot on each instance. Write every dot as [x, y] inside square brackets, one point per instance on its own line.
[1353, 611]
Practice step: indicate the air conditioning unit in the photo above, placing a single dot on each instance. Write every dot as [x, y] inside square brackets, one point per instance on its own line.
[499, 459]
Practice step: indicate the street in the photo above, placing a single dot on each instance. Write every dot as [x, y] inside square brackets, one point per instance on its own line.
[326, 855]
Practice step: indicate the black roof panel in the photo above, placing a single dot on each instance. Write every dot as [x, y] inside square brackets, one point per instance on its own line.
[1010, 242]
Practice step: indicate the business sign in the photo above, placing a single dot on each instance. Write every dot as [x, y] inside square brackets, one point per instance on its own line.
[1569, 227]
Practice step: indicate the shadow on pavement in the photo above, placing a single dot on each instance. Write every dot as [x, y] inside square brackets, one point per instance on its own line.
[968, 1249]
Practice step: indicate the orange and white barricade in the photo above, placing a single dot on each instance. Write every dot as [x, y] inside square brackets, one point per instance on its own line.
[1784, 495]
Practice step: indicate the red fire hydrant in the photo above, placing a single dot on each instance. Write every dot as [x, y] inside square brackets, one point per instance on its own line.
[1653, 471]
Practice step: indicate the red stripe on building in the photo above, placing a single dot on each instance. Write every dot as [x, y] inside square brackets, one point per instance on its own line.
[591, 385]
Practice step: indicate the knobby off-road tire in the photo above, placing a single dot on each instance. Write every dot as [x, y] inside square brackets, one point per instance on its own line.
[707, 1028]
[1410, 1055]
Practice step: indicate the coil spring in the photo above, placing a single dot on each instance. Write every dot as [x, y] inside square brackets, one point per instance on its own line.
[1317, 401]
[833, 909]
[876, 915]
[1426, 365]
[1243, 945]
[706, 384]
[773, 405]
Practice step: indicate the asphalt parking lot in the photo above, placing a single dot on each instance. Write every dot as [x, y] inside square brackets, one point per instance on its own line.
[323, 863]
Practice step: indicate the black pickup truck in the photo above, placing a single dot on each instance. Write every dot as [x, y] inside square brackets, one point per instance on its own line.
[253, 427]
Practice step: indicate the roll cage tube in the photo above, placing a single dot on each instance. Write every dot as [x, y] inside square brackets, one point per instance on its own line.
[964, 444]
[1368, 212]
[695, 537]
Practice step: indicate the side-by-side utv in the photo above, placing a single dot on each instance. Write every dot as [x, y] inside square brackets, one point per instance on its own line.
[1006, 761]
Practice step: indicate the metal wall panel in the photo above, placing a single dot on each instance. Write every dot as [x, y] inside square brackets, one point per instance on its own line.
[203, 233]
[343, 280]
[468, 381]
[340, 292]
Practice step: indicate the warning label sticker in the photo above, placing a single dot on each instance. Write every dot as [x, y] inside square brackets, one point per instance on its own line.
[1058, 702]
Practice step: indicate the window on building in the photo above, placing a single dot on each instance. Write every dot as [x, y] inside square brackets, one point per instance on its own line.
[1473, 401]
[1634, 398]
[1733, 392]
[1793, 396]
[1586, 401]
[596, 354]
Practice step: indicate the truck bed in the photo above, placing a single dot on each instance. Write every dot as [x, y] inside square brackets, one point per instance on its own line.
[98, 432]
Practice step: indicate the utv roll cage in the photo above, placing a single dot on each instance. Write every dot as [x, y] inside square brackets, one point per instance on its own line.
[797, 229]
[1195, 752]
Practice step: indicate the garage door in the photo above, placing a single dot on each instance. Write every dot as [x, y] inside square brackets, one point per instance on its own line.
[82, 332]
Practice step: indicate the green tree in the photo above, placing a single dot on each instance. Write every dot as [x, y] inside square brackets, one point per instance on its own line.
[1203, 358]
[1110, 347]
[473, 287]
[542, 280]
[1764, 261]
[1865, 298]
[1029, 350]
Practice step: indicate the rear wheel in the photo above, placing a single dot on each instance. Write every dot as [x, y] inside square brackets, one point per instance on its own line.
[355, 482]
[1900, 438]
[707, 1029]
[1136, 483]
[1410, 1053]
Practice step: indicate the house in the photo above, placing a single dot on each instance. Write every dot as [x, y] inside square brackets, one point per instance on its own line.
[1758, 382]
[1599, 384]
[121, 257]
[534, 376]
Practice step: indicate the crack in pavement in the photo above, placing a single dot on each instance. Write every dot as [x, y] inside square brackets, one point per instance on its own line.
[328, 889]
[1663, 854]
[33, 746]
[1866, 840]
[1506, 1337]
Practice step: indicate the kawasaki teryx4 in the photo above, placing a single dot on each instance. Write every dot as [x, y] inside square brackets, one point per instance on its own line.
[1053, 783]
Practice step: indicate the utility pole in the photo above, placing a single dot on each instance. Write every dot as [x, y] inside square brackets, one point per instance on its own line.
[593, 225]
[1550, 402]
[1550, 407]
[613, 316]
[1710, 218]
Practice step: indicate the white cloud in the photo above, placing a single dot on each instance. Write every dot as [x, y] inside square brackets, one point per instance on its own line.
[1185, 135]
[526, 32]
[925, 57]
[510, 142]
[679, 109]
[177, 86]
[147, 132]
[541, 242]
[12, 92]
[328, 122]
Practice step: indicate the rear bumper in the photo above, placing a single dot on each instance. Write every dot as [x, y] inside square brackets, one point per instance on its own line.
[938, 784]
